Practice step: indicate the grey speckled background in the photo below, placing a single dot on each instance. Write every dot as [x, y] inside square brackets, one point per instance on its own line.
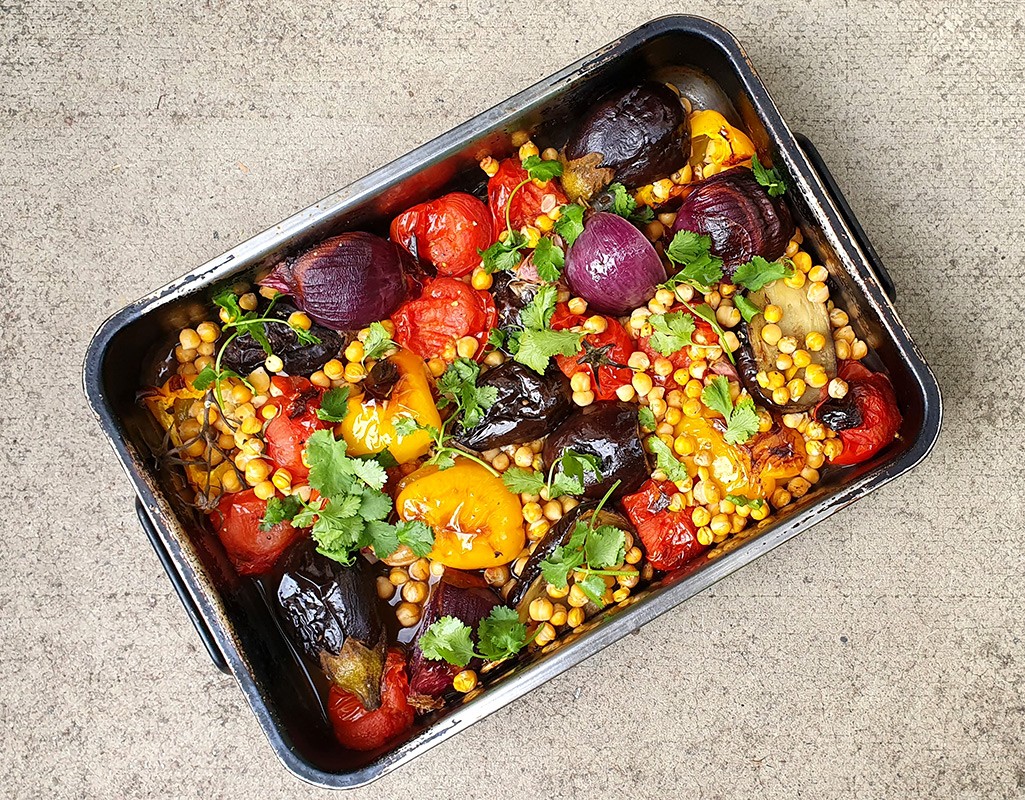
[878, 655]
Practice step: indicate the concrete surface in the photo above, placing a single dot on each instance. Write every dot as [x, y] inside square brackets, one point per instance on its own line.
[879, 655]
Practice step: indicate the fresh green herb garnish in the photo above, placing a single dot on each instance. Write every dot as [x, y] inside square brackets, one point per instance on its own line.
[448, 639]
[500, 635]
[646, 417]
[741, 501]
[625, 205]
[565, 477]
[671, 332]
[548, 260]
[570, 223]
[538, 343]
[769, 178]
[504, 255]
[458, 386]
[667, 462]
[747, 309]
[758, 272]
[741, 419]
[280, 509]
[698, 267]
[208, 375]
[378, 342]
[334, 404]
[540, 170]
[444, 454]
[708, 315]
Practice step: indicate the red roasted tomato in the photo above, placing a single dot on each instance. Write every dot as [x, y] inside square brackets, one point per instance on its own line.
[866, 419]
[604, 355]
[681, 358]
[447, 232]
[447, 310]
[251, 550]
[295, 422]
[670, 538]
[526, 204]
[359, 729]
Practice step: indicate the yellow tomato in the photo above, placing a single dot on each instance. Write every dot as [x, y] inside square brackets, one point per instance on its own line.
[369, 427]
[477, 522]
[715, 141]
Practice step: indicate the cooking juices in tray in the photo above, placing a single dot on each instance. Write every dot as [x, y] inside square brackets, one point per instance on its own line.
[446, 450]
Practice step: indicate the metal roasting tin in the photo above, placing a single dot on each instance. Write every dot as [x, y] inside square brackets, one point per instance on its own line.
[234, 620]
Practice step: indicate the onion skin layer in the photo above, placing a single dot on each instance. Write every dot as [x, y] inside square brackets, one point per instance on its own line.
[736, 212]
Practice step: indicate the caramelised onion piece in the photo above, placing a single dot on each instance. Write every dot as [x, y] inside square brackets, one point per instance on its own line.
[736, 212]
[613, 266]
[348, 281]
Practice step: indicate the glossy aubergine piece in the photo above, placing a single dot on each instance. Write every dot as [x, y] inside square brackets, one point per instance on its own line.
[739, 216]
[511, 294]
[609, 431]
[531, 583]
[800, 317]
[331, 612]
[528, 407]
[634, 136]
[245, 354]
[462, 595]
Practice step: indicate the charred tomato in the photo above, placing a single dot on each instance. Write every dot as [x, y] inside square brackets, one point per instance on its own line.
[525, 207]
[670, 538]
[446, 233]
[358, 728]
[251, 550]
[295, 422]
[866, 419]
[447, 310]
[604, 354]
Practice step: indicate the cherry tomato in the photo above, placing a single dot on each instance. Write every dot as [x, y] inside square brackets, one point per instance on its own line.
[250, 550]
[604, 354]
[447, 232]
[526, 203]
[670, 538]
[680, 359]
[447, 310]
[866, 419]
[359, 729]
[295, 422]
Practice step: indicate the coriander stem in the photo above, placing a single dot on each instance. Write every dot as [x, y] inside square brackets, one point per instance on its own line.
[508, 203]
[590, 571]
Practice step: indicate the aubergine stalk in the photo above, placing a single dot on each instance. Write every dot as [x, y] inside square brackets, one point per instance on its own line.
[635, 136]
[331, 612]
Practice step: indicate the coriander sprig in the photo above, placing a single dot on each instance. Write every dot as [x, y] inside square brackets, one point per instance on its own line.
[568, 480]
[500, 635]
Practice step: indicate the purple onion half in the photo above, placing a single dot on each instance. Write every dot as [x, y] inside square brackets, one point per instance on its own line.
[613, 266]
[736, 212]
[347, 281]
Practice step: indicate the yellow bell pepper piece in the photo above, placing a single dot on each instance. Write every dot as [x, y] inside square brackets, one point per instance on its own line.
[715, 141]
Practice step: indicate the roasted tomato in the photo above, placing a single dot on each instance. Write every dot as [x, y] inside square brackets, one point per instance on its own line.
[681, 358]
[867, 419]
[359, 729]
[477, 522]
[526, 203]
[447, 310]
[604, 354]
[670, 538]
[369, 427]
[447, 232]
[295, 422]
[251, 550]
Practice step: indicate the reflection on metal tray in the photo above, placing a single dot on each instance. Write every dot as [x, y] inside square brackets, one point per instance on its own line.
[230, 614]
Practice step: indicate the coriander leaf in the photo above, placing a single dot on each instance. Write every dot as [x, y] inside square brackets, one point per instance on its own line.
[574, 465]
[577, 537]
[501, 634]
[496, 338]
[538, 312]
[405, 425]
[687, 245]
[512, 341]
[449, 640]
[337, 535]
[558, 566]
[699, 267]
[564, 484]
[538, 346]
[334, 405]
[716, 395]
[523, 481]
[443, 458]
[646, 417]
[743, 422]
[570, 223]
[370, 472]
[758, 272]
[548, 260]
[378, 342]
[205, 379]
[382, 536]
[541, 170]
[740, 500]
[623, 203]
[344, 507]
[605, 547]
[671, 332]
[417, 536]
[384, 458]
[769, 178]
[374, 505]
[280, 509]
[747, 309]
[503, 256]
[229, 302]
[643, 215]
[331, 470]
[459, 384]
[307, 516]
[594, 588]
[666, 461]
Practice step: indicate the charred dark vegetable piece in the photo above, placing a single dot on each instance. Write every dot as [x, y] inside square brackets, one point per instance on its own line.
[467, 598]
[331, 611]
[736, 212]
[528, 406]
[634, 136]
[839, 415]
[531, 583]
[800, 317]
[381, 379]
[607, 430]
[244, 354]
[511, 294]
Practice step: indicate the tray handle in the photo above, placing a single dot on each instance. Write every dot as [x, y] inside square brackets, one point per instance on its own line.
[819, 165]
[179, 587]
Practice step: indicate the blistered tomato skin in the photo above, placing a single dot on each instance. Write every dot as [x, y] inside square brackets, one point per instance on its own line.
[448, 233]
[447, 310]
[872, 405]
[477, 522]
[669, 538]
[369, 427]
[604, 356]
[359, 729]
[526, 203]
[296, 421]
[237, 521]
